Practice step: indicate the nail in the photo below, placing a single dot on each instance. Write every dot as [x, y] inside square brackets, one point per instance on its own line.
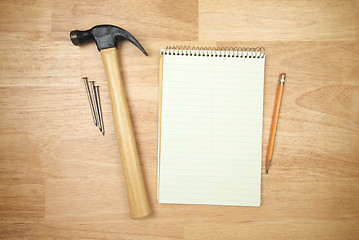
[99, 110]
[90, 100]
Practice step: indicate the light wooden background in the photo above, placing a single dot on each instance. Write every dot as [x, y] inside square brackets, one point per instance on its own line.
[61, 179]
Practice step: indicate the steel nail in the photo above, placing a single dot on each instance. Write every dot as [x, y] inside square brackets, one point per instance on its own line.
[99, 110]
[90, 100]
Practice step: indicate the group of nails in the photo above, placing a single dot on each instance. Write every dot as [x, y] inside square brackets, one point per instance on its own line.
[95, 105]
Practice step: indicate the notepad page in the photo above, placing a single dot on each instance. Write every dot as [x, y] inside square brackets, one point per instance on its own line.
[211, 130]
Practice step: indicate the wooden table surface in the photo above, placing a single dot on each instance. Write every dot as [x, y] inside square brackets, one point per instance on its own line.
[61, 179]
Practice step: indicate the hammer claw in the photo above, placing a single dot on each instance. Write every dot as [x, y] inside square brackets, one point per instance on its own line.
[132, 39]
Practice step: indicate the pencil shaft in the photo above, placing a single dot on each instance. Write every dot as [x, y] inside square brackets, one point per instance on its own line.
[275, 122]
[273, 130]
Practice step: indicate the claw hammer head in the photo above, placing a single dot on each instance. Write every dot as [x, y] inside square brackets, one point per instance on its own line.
[105, 36]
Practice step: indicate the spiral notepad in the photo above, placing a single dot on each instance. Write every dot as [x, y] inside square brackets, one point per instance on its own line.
[210, 126]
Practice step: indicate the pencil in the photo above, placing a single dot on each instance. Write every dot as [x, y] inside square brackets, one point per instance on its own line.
[273, 130]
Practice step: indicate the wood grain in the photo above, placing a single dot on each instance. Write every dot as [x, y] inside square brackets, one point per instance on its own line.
[278, 21]
[61, 179]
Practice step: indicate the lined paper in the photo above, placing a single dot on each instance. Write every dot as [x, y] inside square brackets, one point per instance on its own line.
[211, 130]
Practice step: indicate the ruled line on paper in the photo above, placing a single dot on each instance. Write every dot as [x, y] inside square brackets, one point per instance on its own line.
[211, 112]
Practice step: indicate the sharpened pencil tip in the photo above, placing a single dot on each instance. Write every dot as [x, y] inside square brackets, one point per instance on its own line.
[267, 171]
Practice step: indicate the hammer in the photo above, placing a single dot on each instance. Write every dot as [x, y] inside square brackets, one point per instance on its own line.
[106, 38]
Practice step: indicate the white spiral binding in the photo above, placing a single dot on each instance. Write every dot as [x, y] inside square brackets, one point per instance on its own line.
[241, 52]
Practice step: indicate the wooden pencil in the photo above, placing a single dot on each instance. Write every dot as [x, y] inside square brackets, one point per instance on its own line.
[273, 130]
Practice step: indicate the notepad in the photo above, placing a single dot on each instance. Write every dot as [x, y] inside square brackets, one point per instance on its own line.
[210, 126]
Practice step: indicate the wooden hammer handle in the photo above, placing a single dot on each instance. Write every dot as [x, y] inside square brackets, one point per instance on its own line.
[136, 192]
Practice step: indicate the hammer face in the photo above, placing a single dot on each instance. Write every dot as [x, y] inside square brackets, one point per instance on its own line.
[79, 37]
